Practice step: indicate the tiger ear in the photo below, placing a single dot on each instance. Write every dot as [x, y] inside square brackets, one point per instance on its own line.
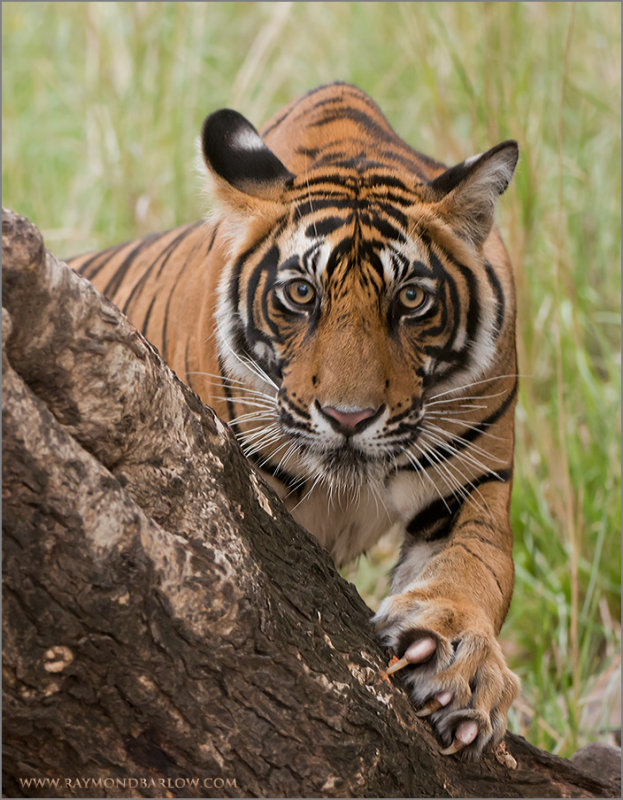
[466, 194]
[243, 168]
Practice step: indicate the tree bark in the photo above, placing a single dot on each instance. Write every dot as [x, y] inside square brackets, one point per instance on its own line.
[168, 630]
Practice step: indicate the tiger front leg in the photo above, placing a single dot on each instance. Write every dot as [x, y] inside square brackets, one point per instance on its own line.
[442, 620]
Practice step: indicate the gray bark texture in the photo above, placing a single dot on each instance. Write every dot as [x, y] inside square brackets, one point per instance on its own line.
[168, 630]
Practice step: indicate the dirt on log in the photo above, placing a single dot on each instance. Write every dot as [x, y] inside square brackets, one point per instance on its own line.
[168, 630]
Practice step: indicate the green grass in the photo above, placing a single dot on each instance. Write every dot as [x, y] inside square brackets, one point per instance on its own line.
[102, 105]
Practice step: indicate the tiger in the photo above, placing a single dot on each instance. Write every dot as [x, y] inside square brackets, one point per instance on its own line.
[348, 308]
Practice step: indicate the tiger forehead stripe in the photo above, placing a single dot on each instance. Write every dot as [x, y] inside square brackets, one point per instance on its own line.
[306, 249]
[397, 267]
[345, 191]
[319, 258]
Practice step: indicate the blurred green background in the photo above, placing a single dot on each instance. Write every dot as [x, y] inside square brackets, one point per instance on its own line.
[102, 106]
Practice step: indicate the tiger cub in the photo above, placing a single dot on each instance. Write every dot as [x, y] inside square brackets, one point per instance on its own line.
[350, 311]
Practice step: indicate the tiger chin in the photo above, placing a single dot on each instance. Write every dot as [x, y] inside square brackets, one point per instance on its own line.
[349, 309]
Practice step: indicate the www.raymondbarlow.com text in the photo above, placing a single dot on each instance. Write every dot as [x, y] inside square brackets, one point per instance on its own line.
[128, 783]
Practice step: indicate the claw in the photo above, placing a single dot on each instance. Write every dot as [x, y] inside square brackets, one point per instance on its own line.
[465, 734]
[400, 664]
[455, 747]
[430, 707]
[440, 700]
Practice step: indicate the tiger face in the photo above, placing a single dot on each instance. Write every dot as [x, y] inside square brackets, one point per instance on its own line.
[346, 356]
[359, 316]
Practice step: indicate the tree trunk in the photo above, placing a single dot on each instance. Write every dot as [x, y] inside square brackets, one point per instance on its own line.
[168, 629]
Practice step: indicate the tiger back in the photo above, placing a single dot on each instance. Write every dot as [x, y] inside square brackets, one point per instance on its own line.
[349, 309]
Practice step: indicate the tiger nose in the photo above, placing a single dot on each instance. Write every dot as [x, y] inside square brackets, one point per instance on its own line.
[347, 420]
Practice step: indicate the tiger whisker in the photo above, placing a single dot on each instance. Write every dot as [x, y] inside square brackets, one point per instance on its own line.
[468, 445]
[376, 493]
[289, 453]
[422, 471]
[252, 416]
[447, 464]
[252, 366]
[445, 411]
[218, 380]
[259, 434]
[244, 435]
[461, 454]
[249, 452]
[210, 337]
[470, 426]
[306, 495]
[252, 402]
[444, 445]
[273, 454]
[477, 383]
[467, 406]
[441, 463]
[262, 444]
[255, 447]
[466, 399]
[441, 466]
[255, 367]
[297, 485]
[251, 395]
[265, 425]
[376, 504]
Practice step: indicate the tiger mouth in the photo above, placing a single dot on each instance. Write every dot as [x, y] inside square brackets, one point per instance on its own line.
[348, 456]
[346, 464]
[347, 467]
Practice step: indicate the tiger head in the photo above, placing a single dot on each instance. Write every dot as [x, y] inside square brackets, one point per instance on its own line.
[355, 292]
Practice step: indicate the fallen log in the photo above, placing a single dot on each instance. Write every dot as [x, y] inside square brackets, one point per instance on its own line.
[168, 630]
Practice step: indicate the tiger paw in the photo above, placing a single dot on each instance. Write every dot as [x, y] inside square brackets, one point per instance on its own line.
[454, 668]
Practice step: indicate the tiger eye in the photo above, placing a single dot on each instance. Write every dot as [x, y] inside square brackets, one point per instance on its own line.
[300, 292]
[412, 297]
